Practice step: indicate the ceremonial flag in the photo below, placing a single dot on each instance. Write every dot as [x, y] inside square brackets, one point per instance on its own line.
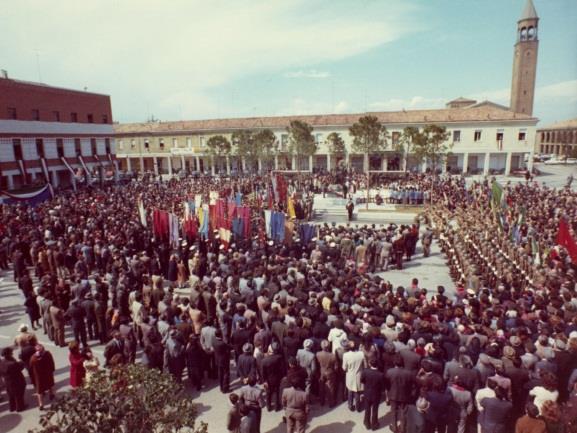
[142, 213]
[565, 240]
[521, 216]
[496, 195]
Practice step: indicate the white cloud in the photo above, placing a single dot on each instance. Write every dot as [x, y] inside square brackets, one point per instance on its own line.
[311, 73]
[141, 53]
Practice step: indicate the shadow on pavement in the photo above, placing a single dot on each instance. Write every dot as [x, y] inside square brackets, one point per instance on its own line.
[341, 427]
[9, 422]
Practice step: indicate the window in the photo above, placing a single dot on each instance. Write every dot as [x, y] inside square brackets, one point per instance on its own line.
[477, 135]
[522, 136]
[132, 144]
[175, 142]
[17, 146]
[12, 113]
[93, 147]
[105, 118]
[161, 143]
[60, 147]
[202, 143]
[457, 135]
[146, 145]
[40, 148]
[107, 145]
[74, 117]
[56, 116]
[77, 147]
[319, 138]
[283, 142]
[120, 145]
[90, 118]
[395, 137]
[35, 114]
[189, 142]
[499, 136]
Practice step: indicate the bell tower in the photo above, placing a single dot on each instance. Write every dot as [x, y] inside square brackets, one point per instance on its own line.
[525, 61]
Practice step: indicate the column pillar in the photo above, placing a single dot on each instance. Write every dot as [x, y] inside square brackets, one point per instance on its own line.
[385, 164]
[259, 165]
[141, 164]
[197, 162]
[182, 163]
[328, 162]
[486, 164]
[155, 165]
[276, 162]
[10, 181]
[294, 163]
[424, 167]
[128, 165]
[55, 180]
[405, 157]
[227, 164]
[243, 164]
[169, 165]
[465, 163]
[212, 170]
[508, 163]
[310, 163]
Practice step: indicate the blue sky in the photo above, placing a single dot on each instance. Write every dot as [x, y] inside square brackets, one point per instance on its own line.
[198, 59]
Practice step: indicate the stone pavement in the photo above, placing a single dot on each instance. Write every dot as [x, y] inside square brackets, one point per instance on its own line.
[213, 405]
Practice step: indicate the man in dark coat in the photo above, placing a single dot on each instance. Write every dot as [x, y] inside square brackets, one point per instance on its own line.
[374, 385]
[222, 361]
[42, 367]
[11, 370]
[273, 370]
[246, 364]
[400, 387]
[76, 316]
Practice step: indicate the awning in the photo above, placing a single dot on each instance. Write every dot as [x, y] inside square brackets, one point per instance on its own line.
[84, 166]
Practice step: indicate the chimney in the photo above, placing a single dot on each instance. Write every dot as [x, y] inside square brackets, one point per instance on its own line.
[3, 73]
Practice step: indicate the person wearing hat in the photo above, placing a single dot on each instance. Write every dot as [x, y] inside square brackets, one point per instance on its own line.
[11, 371]
[42, 367]
[416, 422]
[307, 360]
[246, 363]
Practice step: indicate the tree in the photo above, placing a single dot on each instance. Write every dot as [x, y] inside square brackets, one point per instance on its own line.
[218, 146]
[336, 145]
[369, 137]
[244, 146]
[128, 398]
[266, 143]
[301, 140]
[409, 139]
[431, 145]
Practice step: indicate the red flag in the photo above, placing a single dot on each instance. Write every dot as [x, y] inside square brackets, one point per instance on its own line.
[565, 240]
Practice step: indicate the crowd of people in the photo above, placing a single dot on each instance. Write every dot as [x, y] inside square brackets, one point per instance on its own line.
[295, 324]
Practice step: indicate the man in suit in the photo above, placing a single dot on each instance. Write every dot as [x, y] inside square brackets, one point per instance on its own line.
[328, 374]
[400, 386]
[295, 403]
[222, 361]
[374, 385]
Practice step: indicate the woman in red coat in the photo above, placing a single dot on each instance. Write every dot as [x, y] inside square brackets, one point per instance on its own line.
[77, 370]
[42, 368]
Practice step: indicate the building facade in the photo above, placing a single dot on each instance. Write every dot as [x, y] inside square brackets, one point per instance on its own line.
[485, 138]
[559, 139]
[54, 135]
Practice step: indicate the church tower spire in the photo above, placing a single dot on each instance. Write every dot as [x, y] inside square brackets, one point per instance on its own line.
[525, 61]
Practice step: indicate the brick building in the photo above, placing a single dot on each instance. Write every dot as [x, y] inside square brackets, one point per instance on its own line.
[53, 134]
[559, 138]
